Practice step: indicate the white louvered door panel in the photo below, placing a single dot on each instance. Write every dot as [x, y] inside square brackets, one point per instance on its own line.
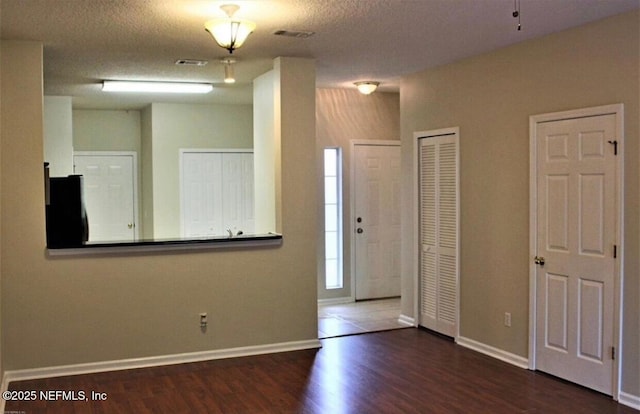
[237, 192]
[428, 211]
[202, 194]
[438, 180]
[217, 193]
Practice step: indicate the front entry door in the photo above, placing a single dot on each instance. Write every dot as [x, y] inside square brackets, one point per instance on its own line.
[577, 198]
[377, 221]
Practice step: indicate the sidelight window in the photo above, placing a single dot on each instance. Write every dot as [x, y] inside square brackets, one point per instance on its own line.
[332, 218]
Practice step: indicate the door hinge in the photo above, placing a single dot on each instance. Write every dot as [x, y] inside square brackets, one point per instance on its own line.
[615, 146]
[613, 353]
[615, 251]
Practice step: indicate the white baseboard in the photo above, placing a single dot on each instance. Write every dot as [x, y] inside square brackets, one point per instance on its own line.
[497, 353]
[336, 301]
[629, 400]
[407, 320]
[154, 361]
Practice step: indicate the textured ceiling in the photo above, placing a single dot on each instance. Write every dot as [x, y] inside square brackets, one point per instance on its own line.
[86, 41]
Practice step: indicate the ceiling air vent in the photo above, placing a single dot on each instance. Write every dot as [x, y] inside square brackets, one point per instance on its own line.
[294, 33]
[191, 62]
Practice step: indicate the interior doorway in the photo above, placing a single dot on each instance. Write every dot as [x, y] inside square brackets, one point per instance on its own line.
[372, 233]
[576, 245]
[359, 317]
[110, 193]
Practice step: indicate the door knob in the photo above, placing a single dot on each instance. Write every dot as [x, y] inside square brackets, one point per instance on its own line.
[538, 260]
[130, 225]
[359, 230]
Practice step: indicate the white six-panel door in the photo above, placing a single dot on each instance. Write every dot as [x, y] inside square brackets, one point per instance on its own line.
[377, 220]
[576, 245]
[109, 192]
[438, 232]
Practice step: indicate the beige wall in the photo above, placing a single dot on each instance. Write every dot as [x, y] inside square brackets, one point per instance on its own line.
[58, 135]
[1, 202]
[22, 159]
[70, 310]
[490, 98]
[106, 130]
[295, 130]
[265, 152]
[343, 115]
[146, 173]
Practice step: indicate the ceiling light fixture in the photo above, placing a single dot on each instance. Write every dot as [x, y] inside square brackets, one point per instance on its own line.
[156, 87]
[229, 76]
[367, 87]
[230, 33]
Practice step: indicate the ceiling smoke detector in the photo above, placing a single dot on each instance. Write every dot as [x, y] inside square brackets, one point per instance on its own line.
[300, 34]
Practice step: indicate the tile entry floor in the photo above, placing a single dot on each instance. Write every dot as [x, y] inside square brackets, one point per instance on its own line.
[359, 317]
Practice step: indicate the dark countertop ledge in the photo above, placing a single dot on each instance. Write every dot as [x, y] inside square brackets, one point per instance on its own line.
[198, 243]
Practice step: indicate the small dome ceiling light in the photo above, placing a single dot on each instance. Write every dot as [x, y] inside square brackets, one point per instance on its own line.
[367, 87]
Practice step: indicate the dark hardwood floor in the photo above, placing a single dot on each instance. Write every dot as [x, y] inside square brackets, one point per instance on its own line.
[402, 371]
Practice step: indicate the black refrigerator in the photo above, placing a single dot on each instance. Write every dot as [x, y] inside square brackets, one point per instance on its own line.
[67, 223]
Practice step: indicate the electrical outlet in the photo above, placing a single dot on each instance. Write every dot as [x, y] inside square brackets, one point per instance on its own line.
[507, 319]
[203, 320]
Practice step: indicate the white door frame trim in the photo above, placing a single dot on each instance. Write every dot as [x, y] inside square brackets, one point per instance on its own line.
[134, 157]
[417, 135]
[534, 120]
[352, 202]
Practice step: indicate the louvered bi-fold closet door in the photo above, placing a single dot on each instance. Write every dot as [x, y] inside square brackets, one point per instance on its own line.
[438, 197]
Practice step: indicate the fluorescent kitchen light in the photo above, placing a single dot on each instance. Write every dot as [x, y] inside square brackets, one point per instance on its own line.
[156, 87]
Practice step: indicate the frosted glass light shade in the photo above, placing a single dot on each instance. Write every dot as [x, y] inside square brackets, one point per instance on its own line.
[228, 74]
[367, 87]
[230, 33]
